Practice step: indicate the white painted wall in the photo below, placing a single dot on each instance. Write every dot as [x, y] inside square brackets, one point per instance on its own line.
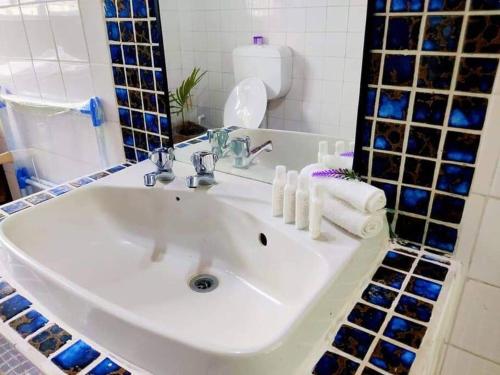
[58, 50]
[474, 345]
[326, 37]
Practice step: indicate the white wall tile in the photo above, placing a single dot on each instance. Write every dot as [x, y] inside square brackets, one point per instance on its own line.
[477, 327]
[95, 31]
[459, 362]
[14, 42]
[39, 32]
[24, 78]
[77, 80]
[337, 18]
[49, 77]
[68, 30]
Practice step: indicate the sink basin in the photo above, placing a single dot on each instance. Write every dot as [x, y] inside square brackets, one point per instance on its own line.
[115, 260]
[285, 147]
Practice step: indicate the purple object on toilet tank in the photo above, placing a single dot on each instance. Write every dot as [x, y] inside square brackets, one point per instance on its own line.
[258, 40]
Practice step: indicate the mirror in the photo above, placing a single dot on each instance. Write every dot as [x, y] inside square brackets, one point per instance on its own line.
[308, 55]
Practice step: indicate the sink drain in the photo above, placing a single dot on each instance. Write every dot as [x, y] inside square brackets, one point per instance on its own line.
[203, 283]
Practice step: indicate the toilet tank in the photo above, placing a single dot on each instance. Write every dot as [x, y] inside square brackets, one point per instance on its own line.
[271, 64]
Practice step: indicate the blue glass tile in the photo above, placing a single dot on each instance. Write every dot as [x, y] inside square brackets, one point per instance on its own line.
[81, 182]
[140, 8]
[331, 363]
[38, 198]
[399, 261]
[109, 9]
[149, 100]
[442, 5]
[393, 104]
[151, 123]
[485, 4]
[151, 8]
[405, 331]
[477, 74]
[403, 32]
[442, 33]
[154, 142]
[119, 76]
[392, 358]
[128, 137]
[127, 31]
[389, 277]
[353, 341]
[140, 140]
[386, 166]
[130, 153]
[6, 289]
[147, 81]
[377, 6]
[435, 72]
[164, 126]
[431, 270]
[448, 209]
[124, 115]
[76, 357]
[367, 132]
[430, 108]
[379, 296]
[370, 101]
[455, 179]
[414, 200]
[116, 54]
[155, 32]
[182, 145]
[370, 371]
[129, 54]
[124, 10]
[99, 175]
[137, 120]
[423, 141]
[142, 32]
[144, 53]
[157, 57]
[29, 323]
[389, 137]
[376, 34]
[115, 169]
[483, 34]
[50, 340]
[398, 70]
[407, 5]
[113, 31]
[390, 191]
[414, 308]
[468, 112]
[441, 237]
[461, 147]
[424, 288]
[410, 228]
[159, 80]
[60, 190]
[12, 208]
[121, 96]
[108, 367]
[142, 155]
[367, 317]
[13, 306]
[365, 160]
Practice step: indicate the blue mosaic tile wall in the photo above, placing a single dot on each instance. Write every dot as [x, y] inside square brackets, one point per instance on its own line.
[430, 68]
[137, 55]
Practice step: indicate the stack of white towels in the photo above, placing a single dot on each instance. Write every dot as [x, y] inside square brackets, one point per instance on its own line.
[353, 205]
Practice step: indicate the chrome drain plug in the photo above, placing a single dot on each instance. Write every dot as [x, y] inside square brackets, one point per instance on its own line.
[203, 283]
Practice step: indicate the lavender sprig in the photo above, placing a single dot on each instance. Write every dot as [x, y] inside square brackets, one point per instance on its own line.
[341, 173]
[347, 154]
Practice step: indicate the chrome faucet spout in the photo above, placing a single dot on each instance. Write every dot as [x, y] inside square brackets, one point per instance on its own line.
[163, 158]
[265, 147]
[243, 155]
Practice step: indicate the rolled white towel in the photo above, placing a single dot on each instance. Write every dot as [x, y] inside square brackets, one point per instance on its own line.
[361, 224]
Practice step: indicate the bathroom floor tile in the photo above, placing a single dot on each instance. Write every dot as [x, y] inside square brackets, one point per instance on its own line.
[392, 358]
[331, 364]
[30, 322]
[367, 317]
[477, 327]
[76, 357]
[461, 362]
[353, 341]
[13, 306]
[431, 270]
[389, 277]
[379, 296]
[50, 340]
[108, 367]
[423, 288]
[414, 308]
[405, 331]
[399, 261]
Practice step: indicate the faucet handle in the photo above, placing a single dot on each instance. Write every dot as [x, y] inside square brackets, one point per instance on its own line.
[240, 146]
[204, 162]
[163, 158]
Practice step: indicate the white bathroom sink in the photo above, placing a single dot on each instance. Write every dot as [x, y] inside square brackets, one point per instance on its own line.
[115, 259]
[293, 149]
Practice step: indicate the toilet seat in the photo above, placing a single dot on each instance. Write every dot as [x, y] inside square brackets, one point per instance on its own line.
[246, 105]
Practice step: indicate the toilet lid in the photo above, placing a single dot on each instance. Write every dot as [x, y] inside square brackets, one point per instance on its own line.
[246, 105]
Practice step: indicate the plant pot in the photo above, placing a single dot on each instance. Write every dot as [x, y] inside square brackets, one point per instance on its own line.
[187, 130]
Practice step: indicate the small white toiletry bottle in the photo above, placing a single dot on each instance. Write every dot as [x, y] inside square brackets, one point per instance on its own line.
[302, 203]
[339, 147]
[322, 150]
[289, 201]
[278, 190]
[315, 211]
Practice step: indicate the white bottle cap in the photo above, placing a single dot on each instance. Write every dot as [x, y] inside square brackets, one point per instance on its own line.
[339, 147]
[303, 182]
[280, 172]
[323, 147]
[291, 178]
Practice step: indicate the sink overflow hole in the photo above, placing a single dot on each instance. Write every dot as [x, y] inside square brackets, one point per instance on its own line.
[263, 239]
[203, 283]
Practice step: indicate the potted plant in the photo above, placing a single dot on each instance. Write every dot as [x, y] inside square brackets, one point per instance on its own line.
[181, 102]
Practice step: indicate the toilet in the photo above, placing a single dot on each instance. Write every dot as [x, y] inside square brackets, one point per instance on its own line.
[262, 73]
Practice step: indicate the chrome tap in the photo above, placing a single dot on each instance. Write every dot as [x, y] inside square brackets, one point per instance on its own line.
[243, 155]
[218, 141]
[163, 158]
[204, 165]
